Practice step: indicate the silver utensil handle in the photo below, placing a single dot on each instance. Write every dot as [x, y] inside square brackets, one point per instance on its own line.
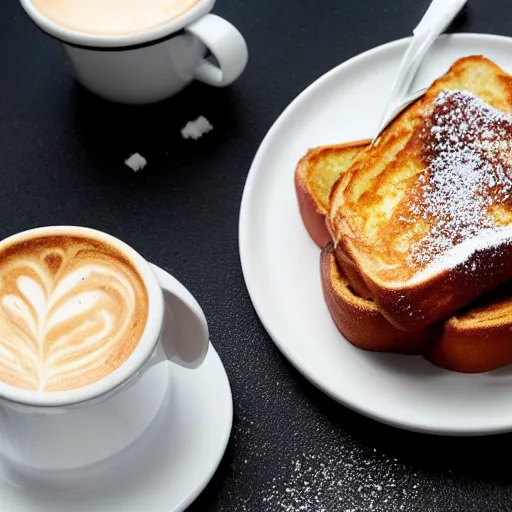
[436, 19]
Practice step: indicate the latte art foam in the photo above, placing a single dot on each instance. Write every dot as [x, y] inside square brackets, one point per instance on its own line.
[72, 310]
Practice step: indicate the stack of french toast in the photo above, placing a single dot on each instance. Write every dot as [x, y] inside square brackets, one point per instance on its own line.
[415, 227]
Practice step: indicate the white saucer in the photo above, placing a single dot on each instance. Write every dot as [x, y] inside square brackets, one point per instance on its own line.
[280, 262]
[163, 471]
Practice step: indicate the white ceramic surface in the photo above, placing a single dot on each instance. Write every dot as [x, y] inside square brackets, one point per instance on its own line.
[281, 264]
[155, 64]
[164, 471]
[66, 429]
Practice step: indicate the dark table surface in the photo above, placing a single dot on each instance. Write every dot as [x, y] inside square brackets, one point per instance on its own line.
[61, 162]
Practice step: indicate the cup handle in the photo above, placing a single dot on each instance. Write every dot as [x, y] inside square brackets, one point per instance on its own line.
[226, 44]
[184, 339]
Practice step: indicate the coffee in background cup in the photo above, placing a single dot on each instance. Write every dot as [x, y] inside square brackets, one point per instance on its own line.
[113, 17]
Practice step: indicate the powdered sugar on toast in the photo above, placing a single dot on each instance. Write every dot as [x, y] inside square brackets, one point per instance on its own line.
[468, 177]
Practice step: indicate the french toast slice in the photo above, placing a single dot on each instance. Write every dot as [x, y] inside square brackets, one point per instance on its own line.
[425, 212]
[315, 175]
[479, 338]
[476, 339]
[359, 319]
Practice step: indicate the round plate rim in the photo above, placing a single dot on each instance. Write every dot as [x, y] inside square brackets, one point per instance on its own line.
[244, 244]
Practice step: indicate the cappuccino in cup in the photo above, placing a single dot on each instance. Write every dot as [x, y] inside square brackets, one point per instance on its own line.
[72, 310]
[85, 323]
[113, 17]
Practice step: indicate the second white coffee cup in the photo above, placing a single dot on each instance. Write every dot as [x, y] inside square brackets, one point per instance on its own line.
[154, 64]
[72, 429]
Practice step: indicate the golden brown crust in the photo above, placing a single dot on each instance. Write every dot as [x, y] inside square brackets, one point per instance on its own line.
[478, 339]
[472, 351]
[366, 205]
[359, 320]
[352, 274]
[314, 176]
[310, 210]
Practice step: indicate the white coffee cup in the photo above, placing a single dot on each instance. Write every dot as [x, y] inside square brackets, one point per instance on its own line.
[154, 64]
[64, 430]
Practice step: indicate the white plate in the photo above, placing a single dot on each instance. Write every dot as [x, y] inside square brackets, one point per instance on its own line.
[281, 264]
[163, 471]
